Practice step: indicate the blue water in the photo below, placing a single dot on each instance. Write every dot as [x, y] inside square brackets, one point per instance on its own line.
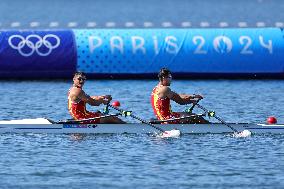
[142, 161]
[137, 12]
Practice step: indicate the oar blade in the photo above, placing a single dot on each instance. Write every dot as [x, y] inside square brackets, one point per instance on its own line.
[243, 134]
[171, 134]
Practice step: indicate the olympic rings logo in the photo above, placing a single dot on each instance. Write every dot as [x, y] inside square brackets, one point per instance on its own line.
[26, 46]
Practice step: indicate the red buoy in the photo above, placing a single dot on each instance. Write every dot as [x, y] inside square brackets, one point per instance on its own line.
[271, 120]
[116, 103]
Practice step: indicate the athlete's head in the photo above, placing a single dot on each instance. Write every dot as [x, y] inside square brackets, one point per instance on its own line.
[79, 79]
[165, 77]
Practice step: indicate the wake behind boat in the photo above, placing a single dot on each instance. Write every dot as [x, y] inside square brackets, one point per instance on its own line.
[42, 125]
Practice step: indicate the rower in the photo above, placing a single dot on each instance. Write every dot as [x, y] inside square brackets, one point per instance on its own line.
[162, 95]
[77, 100]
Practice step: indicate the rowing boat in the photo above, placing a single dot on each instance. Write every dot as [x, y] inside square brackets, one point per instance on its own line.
[42, 125]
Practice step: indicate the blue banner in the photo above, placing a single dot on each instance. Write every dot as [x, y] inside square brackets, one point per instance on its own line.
[37, 54]
[104, 52]
[184, 51]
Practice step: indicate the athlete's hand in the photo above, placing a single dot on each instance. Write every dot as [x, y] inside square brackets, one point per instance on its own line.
[198, 96]
[106, 99]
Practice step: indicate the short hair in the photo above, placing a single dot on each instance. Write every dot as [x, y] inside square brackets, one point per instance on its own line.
[164, 72]
[79, 73]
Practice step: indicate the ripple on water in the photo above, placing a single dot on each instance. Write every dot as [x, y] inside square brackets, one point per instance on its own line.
[142, 161]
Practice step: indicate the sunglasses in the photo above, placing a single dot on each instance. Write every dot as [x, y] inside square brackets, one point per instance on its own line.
[169, 77]
[81, 79]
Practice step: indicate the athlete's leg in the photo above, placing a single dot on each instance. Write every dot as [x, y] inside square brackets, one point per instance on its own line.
[194, 119]
[111, 120]
[104, 120]
[91, 115]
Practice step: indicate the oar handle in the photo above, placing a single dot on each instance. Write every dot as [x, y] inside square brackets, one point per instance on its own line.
[135, 117]
[106, 109]
[191, 108]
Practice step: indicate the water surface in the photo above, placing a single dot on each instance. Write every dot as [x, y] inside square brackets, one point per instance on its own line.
[142, 161]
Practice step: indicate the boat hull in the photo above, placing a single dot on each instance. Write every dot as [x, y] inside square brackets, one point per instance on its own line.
[212, 128]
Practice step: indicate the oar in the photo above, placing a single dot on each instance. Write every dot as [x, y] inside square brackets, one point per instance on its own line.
[172, 133]
[189, 110]
[88, 119]
[244, 133]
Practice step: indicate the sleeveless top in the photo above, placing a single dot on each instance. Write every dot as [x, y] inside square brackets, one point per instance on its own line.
[77, 109]
[161, 106]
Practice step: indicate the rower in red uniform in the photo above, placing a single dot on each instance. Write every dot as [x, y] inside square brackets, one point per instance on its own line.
[77, 100]
[162, 95]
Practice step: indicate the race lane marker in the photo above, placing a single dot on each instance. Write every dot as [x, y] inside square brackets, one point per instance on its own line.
[91, 24]
[223, 24]
[129, 24]
[72, 24]
[110, 24]
[279, 24]
[34, 24]
[167, 24]
[242, 24]
[148, 24]
[53, 24]
[260, 24]
[186, 24]
[15, 24]
[204, 24]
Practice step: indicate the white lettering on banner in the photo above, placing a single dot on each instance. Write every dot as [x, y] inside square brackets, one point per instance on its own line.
[156, 45]
[118, 45]
[222, 44]
[171, 46]
[200, 44]
[93, 45]
[246, 41]
[267, 46]
[136, 46]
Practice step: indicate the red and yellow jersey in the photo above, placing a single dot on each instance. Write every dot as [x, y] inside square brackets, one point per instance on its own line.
[162, 107]
[78, 111]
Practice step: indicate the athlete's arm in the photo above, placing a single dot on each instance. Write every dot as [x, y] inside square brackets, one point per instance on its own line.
[88, 99]
[197, 96]
[181, 99]
[105, 99]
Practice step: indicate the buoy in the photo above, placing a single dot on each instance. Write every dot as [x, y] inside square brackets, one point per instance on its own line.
[116, 104]
[271, 120]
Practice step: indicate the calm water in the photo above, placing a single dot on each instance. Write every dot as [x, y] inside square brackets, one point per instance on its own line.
[138, 12]
[141, 161]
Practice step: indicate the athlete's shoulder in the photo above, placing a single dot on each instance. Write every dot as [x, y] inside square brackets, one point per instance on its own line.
[164, 89]
[76, 91]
